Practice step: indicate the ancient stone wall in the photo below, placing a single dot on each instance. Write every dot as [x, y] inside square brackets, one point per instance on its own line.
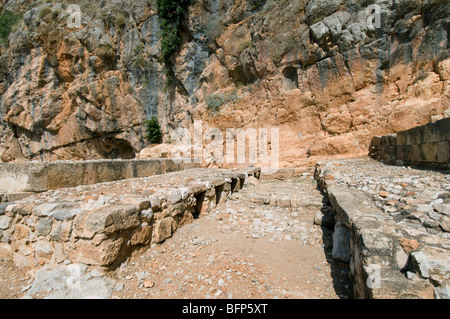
[426, 145]
[396, 241]
[43, 176]
[102, 224]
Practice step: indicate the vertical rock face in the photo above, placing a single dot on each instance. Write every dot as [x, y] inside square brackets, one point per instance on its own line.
[328, 74]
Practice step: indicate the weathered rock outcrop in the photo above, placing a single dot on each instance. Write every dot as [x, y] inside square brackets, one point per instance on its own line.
[328, 74]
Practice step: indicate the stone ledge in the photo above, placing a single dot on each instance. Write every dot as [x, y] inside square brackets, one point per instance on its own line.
[388, 260]
[43, 176]
[102, 224]
[288, 173]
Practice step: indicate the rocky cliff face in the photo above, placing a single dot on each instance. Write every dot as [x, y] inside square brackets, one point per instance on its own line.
[328, 74]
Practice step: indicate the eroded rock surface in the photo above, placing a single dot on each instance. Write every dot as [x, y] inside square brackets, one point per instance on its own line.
[324, 72]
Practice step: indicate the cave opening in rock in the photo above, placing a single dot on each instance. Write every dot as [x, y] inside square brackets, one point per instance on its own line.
[114, 148]
[290, 78]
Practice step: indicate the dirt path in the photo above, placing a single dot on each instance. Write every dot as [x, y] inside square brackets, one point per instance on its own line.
[243, 250]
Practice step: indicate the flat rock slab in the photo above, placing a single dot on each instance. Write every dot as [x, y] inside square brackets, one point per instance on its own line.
[74, 281]
[42, 176]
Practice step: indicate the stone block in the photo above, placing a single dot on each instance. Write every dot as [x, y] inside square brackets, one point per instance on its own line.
[103, 254]
[430, 261]
[175, 196]
[61, 232]
[23, 261]
[391, 151]
[402, 138]
[43, 252]
[6, 251]
[414, 136]
[63, 175]
[436, 132]
[144, 168]
[443, 152]
[113, 171]
[90, 174]
[142, 235]
[415, 154]
[341, 243]
[13, 197]
[404, 153]
[49, 209]
[189, 165]
[162, 230]
[319, 9]
[106, 220]
[21, 232]
[23, 177]
[44, 226]
[391, 139]
[284, 202]
[59, 253]
[320, 32]
[445, 224]
[62, 214]
[429, 152]
[5, 222]
[168, 165]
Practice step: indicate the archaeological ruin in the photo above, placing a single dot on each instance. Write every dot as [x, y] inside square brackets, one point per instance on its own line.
[212, 149]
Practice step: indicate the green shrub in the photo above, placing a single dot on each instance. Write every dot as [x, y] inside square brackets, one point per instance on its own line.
[243, 44]
[153, 130]
[171, 14]
[255, 4]
[139, 57]
[214, 102]
[120, 20]
[7, 22]
[44, 12]
[106, 53]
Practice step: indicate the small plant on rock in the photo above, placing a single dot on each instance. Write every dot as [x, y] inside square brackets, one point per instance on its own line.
[7, 22]
[153, 130]
[45, 11]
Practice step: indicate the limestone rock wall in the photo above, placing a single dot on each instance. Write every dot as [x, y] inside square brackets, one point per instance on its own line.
[325, 73]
